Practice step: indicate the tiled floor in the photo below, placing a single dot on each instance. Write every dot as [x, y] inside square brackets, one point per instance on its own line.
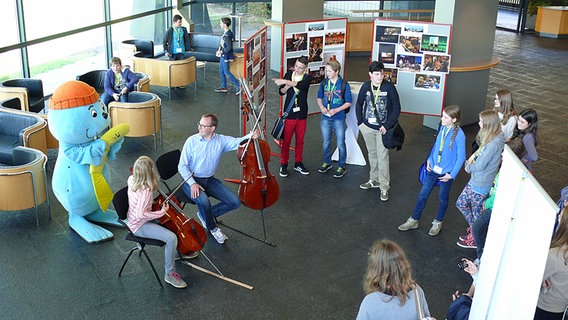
[322, 227]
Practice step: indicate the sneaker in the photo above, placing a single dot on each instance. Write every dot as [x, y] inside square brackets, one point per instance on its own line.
[384, 195]
[221, 90]
[410, 224]
[201, 220]
[324, 168]
[468, 243]
[283, 170]
[181, 87]
[175, 280]
[238, 91]
[299, 166]
[340, 172]
[465, 237]
[369, 184]
[219, 235]
[191, 255]
[436, 228]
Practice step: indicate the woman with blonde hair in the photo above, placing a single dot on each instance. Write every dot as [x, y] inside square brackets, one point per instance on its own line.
[483, 165]
[506, 111]
[141, 186]
[553, 297]
[391, 291]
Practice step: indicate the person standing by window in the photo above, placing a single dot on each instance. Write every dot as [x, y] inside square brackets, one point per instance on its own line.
[176, 42]
[226, 56]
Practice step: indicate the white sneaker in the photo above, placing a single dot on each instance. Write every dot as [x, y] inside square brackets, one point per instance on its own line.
[410, 224]
[219, 235]
[175, 280]
[384, 195]
[369, 184]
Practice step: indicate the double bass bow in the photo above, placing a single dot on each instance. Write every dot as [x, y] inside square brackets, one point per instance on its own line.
[258, 188]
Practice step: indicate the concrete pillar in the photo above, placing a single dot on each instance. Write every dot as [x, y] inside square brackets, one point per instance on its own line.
[473, 33]
[289, 11]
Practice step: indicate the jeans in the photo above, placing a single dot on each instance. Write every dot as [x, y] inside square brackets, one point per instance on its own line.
[479, 230]
[327, 126]
[378, 156]
[106, 98]
[224, 72]
[429, 181]
[293, 127]
[213, 187]
[154, 231]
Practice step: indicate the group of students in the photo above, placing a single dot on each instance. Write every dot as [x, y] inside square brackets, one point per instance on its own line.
[377, 109]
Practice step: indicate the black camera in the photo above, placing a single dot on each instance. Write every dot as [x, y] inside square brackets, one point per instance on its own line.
[462, 264]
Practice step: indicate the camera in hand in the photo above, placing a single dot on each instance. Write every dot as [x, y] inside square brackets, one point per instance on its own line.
[462, 264]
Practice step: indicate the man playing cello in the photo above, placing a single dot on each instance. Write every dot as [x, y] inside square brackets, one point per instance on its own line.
[201, 154]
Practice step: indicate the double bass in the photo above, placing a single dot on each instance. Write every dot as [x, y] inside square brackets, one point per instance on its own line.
[191, 235]
[258, 188]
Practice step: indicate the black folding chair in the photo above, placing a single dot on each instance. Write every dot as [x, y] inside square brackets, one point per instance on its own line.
[120, 202]
[167, 165]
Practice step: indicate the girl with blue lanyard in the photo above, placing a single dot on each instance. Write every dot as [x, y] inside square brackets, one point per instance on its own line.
[443, 165]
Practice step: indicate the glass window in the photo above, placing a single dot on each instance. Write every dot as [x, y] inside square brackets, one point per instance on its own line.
[45, 18]
[9, 23]
[64, 59]
[11, 65]
[147, 28]
[125, 8]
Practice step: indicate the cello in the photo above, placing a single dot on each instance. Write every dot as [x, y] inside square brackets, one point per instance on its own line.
[191, 235]
[258, 188]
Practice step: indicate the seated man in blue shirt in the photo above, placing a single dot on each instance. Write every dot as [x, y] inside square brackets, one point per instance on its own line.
[201, 154]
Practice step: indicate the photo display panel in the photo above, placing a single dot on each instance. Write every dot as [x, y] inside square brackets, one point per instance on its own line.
[320, 41]
[417, 60]
[256, 65]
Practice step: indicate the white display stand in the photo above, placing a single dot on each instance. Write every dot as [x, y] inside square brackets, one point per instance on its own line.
[354, 153]
[517, 245]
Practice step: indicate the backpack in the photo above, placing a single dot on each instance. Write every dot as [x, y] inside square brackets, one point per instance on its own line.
[343, 88]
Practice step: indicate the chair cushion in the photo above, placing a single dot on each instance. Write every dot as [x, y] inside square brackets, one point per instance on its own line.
[147, 241]
[135, 97]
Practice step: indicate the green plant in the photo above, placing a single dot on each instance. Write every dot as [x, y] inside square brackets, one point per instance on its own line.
[533, 5]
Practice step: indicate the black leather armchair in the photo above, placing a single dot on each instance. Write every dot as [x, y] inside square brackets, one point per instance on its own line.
[144, 46]
[29, 91]
[95, 79]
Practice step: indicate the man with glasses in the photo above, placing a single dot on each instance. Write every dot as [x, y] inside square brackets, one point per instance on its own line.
[295, 86]
[200, 155]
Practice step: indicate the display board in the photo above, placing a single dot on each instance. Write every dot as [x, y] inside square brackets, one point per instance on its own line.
[516, 247]
[320, 41]
[417, 60]
[255, 79]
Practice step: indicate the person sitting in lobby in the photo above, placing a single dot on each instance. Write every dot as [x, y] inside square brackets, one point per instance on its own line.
[118, 82]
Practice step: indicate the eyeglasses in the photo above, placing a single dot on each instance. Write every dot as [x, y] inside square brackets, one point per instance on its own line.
[300, 66]
[199, 125]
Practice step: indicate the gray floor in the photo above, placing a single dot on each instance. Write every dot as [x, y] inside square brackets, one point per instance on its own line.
[322, 226]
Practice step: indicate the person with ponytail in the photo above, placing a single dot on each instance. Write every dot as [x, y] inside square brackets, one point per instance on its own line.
[506, 111]
[443, 164]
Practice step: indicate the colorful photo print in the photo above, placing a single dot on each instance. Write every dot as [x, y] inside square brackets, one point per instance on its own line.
[334, 38]
[434, 43]
[316, 27]
[255, 57]
[263, 45]
[318, 75]
[290, 62]
[391, 75]
[333, 55]
[316, 49]
[249, 50]
[423, 81]
[413, 28]
[436, 63]
[249, 77]
[297, 42]
[387, 34]
[408, 63]
[409, 44]
[386, 53]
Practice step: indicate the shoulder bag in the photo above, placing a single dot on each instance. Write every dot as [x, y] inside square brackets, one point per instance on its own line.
[278, 129]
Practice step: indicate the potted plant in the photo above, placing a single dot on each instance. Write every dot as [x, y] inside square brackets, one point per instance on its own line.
[533, 5]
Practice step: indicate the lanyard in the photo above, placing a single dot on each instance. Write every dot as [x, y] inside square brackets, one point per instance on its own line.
[377, 93]
[331, 90]
[446, 130]
[296, 90]
[178, 35]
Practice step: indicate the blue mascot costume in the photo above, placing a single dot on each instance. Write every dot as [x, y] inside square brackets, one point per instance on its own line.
[77, 119]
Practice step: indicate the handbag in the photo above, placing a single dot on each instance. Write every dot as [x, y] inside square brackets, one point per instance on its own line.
[394, 137]
[423, 171]
[278, 129]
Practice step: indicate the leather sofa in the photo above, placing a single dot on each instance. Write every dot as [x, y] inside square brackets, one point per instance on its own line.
[204, 46]
[21, 128]
[14, 103]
